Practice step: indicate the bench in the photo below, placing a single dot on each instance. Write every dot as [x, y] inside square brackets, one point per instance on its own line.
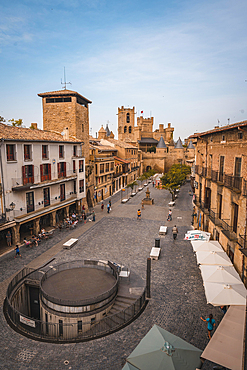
[171, 204]
[70, 243]
[163, 230]
[155, 253]
[133, 194]
[140, 189]
[125, 200]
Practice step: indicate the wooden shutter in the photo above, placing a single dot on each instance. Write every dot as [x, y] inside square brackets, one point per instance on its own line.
[24, 179]
[49, 171]
[41, 173]
[64, 169]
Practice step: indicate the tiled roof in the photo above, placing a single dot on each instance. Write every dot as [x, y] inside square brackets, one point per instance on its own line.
[147, 140]
[121, 144]
[219, 129]
[61, 93]
[121, 160]
[28, 134]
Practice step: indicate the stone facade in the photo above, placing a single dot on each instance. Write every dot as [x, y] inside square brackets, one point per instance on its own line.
[221, 189]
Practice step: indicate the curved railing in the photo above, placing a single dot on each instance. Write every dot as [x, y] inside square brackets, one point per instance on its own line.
[56, 332]
[99, 265]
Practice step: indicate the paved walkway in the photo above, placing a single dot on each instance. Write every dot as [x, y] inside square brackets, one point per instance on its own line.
[178, 298]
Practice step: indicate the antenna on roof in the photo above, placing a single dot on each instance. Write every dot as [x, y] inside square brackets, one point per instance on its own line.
[65, 83]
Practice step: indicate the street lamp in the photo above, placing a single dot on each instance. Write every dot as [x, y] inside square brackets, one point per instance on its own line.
[12, 206]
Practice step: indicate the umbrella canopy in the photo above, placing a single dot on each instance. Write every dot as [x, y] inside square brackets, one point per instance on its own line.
[225, 294]
[128, 366]
[220, 274]
[197, 235]
[160, 349]
[213, 258]
[212, 245]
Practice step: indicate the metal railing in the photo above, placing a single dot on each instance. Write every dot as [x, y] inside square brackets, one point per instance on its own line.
[233, 182]
[61, 332]
[19, 181]
[242, 240]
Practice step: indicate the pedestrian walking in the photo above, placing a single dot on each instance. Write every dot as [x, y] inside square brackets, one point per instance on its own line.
[174, 232]
[102, 206]
[108, 207]
[110, 203]
[142, 205]
[8, 237]
[169, 217]
[93, 216]
[139, 214]
[211, 324]
[85, 217]
[17, 251]
[153, 184]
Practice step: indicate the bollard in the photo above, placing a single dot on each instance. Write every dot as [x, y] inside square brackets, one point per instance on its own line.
[157, 242]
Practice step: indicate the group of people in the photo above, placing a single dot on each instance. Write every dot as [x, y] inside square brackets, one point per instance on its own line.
[108, 206]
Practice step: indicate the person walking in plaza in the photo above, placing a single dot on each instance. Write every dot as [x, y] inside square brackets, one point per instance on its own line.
[110, 203]
[85, 217]
[211, 324]
[139, 214]
[8, 237]
[93, 215]
[17, 251]
[169, 217]
[102, 206]
[108, 207]
[174, 232]
[142, 205]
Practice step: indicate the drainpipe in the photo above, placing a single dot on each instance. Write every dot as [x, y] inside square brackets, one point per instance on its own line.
[1, 166]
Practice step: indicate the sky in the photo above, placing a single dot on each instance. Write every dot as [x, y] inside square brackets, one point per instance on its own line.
[179, 61]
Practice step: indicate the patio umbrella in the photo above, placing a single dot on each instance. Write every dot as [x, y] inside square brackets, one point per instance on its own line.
[160, 349]
[220, 274]
[128, 366]
[225, 294]
[213, 258]
[212, 245]
[197, 235]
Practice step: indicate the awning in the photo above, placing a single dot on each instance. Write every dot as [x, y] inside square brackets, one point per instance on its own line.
[226, 346]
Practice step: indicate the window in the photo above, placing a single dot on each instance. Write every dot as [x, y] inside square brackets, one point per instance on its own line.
[61, 151]
[74, 151]
[125, 129]
[27, 152]
[130, 129]
[127, 118]
[62, 192]
[220, 205]
[221, 172]
[96, 169]
[237, 170]
[46, 197]
[45, 172]
[58, 100]
[28, 174]
[81, 186]
[79, 326]
[30, 201]
[223, 138]
[74, 169]
[235, 217]
[102, 168]
[82, 128]
[112, 166]
[60, 328]
[107, 165]
[61, 169]
[45, 152]
[11, 154]
[81, 166]
[240, 135]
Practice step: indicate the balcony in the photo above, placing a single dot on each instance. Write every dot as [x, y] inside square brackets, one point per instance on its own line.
[227, 230]
[202, 205]
[244, 188]
[18, 183]
[198, 170]
[214, 217]
[242, 240]
[214, 175]
[233, 182]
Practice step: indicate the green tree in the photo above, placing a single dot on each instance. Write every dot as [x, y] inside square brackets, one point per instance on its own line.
[132, 185]
[2, 119]
[16, 122]
[174, 178]
[152, 149]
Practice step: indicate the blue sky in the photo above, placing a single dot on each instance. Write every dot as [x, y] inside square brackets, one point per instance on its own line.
[181, 61]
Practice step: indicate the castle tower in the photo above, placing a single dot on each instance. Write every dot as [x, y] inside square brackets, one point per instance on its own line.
[126, 122]
[67, 109]
[161, 148]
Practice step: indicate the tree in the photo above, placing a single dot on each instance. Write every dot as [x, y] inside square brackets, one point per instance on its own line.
[174, 178]
[152, 149]
[132, 184]
[16, 122]
[2, 119]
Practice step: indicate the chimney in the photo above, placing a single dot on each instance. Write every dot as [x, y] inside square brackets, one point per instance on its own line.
[34, 126]
[66, 133]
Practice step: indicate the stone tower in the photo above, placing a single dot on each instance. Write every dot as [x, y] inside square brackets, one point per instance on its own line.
[126, 122]
[66, 109]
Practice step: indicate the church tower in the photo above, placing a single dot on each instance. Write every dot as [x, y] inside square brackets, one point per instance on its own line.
[66, 109]
[126, 123]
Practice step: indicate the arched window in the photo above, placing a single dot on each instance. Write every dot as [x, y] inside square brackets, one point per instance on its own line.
[128, 118]
[125, 129]
[130, 129]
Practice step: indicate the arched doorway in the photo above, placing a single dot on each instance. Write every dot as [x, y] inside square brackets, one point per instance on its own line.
[89, 199]
[148, 168]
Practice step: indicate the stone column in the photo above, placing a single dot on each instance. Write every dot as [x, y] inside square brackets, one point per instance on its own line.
[36, 226]
[16, 234]
[78, 206]
[53, 218]
[66, 211]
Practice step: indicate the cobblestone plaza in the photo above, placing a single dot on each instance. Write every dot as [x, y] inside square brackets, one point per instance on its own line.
[177, 294]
